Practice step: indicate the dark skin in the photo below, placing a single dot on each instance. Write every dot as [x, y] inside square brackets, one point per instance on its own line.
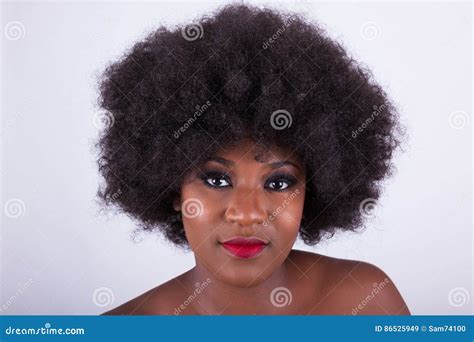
[235, 193]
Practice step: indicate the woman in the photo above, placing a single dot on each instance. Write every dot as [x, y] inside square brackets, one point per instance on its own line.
[234, 135]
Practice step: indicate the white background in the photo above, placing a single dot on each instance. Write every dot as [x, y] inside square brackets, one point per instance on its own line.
[61, 250]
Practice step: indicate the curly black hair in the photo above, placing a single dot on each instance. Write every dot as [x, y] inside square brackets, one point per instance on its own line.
[180, 94]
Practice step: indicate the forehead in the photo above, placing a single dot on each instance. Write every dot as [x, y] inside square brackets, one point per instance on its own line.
[250, 151]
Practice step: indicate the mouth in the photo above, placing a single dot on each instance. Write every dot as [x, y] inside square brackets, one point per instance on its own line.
[244, 248]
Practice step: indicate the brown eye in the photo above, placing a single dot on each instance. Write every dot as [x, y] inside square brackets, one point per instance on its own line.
[216, 180]
[278, 185]
[281, 182]
[219, 182]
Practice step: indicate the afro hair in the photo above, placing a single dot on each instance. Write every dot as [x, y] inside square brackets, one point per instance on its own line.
[180, 94]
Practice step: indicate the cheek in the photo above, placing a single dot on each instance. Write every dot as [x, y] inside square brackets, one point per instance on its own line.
[199, 213]
[286, 217]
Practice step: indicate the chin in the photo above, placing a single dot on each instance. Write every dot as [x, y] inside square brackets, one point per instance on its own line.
[243, 277]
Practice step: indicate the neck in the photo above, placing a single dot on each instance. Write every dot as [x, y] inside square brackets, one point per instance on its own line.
[220, 298]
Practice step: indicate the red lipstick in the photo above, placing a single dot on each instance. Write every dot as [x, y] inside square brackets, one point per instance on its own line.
[244, 248]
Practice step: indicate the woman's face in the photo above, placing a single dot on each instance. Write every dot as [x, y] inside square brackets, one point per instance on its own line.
[242, 193]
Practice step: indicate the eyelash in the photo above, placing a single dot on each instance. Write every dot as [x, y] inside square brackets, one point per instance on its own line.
[274, 178]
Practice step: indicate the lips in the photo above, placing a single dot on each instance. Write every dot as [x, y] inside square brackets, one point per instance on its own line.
[244, 248]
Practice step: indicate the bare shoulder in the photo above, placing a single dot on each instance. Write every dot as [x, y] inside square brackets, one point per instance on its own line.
[157, 301]
[350, 287]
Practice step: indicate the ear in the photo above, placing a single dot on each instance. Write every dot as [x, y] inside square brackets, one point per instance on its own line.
[177, 203]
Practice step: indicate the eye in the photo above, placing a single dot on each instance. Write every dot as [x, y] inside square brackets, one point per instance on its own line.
[280, 182]
[278, 185]
[216, 180]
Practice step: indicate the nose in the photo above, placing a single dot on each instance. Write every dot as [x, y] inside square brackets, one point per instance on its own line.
[246, 207]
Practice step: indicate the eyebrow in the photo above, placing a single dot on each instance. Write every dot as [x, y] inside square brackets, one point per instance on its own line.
[273, 165]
